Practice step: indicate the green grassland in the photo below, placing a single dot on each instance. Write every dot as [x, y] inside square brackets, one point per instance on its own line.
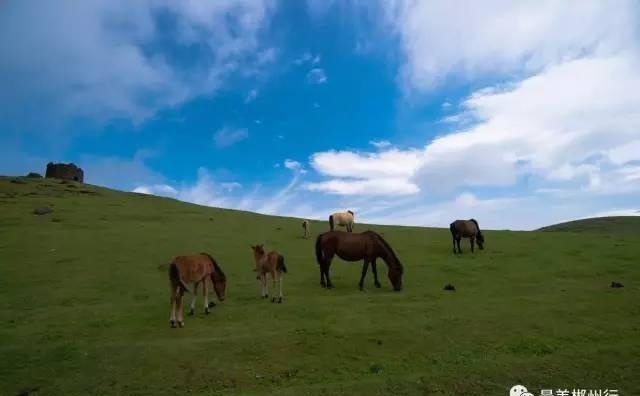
[84, 306]
[608, 225]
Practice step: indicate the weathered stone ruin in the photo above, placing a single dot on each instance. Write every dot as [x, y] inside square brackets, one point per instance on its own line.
[65, 172]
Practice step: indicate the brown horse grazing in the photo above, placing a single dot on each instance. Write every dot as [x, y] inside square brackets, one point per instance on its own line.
[466, 229]
[306, 226]
[367, 246]
[269, 263]
[193, 269]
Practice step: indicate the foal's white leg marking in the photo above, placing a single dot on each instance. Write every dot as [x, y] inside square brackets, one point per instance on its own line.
[281, 277]
[263, 281]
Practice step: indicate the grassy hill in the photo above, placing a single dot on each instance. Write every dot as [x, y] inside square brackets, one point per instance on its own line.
[84, 306]
[612, 224]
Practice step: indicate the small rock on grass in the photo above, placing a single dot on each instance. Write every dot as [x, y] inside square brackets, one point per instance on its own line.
[43, 210]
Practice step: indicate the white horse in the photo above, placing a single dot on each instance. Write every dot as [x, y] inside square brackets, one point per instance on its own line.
[306, 226]
[344, 219]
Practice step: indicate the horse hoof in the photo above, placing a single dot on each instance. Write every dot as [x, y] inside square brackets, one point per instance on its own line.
[273, 299]
[360, 287]
[190, 312]
[173, 324]
[206, 311]
[280, 300]
[181, 324]
[212, 304]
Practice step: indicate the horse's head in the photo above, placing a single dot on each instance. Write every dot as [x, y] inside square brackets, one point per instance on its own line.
[395, 276]
[219, 280]
[352, 214]
[258, 249]
[480, 240]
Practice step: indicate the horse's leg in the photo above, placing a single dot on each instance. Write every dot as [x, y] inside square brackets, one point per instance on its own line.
[263, 279]
[453, 239]
[374, 268]
[365, 266]
[206, 295]
[179, 308]
[172, 318]
[195, 297]
[327, 266]
[323, 282]
[281, 278]
[273, 280]
[472, 240]
[458, 243]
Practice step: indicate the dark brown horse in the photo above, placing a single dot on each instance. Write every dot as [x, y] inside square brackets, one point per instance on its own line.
[367, 246]
[466, 229]
[193, 269]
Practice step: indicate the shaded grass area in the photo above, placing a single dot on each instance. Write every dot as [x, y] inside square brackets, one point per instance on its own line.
[84, 303]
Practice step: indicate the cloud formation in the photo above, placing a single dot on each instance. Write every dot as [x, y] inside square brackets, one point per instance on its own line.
[503, 37]
[227, 136]
[97, 58]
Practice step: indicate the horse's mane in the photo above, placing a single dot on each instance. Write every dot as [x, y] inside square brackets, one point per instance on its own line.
[387, 247]
[477, 226]
[216, 266]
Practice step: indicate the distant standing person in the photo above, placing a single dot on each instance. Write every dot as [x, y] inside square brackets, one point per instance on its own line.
[343, 219]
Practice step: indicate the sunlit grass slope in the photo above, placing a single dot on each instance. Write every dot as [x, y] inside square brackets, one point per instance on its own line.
[84, 306]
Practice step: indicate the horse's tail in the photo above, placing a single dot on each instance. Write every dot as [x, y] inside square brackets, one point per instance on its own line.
[319, 254]
[174, 277]
[331, 222]
[280, 266]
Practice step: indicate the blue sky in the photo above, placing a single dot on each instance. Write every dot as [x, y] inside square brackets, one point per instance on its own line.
[407, 112]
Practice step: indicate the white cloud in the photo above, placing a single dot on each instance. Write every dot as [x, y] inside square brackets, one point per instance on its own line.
[118, 172]
[226, 136]
[157, 189]
[251, 96]
[294, 166]
[547, 125]
[205, 191]
[383, 173]
[378, 186]
[500, 36]
[95, 59]
[515, 213]
[380, 144]
[316, 76]
[304, 58]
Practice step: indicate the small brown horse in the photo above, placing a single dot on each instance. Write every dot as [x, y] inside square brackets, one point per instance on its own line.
[306, 226]
[269, 263]
[367, 246]
[466, 229]
[193, 269]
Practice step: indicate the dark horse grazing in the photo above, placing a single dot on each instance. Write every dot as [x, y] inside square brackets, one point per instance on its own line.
[367, 246]
[466, 229]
